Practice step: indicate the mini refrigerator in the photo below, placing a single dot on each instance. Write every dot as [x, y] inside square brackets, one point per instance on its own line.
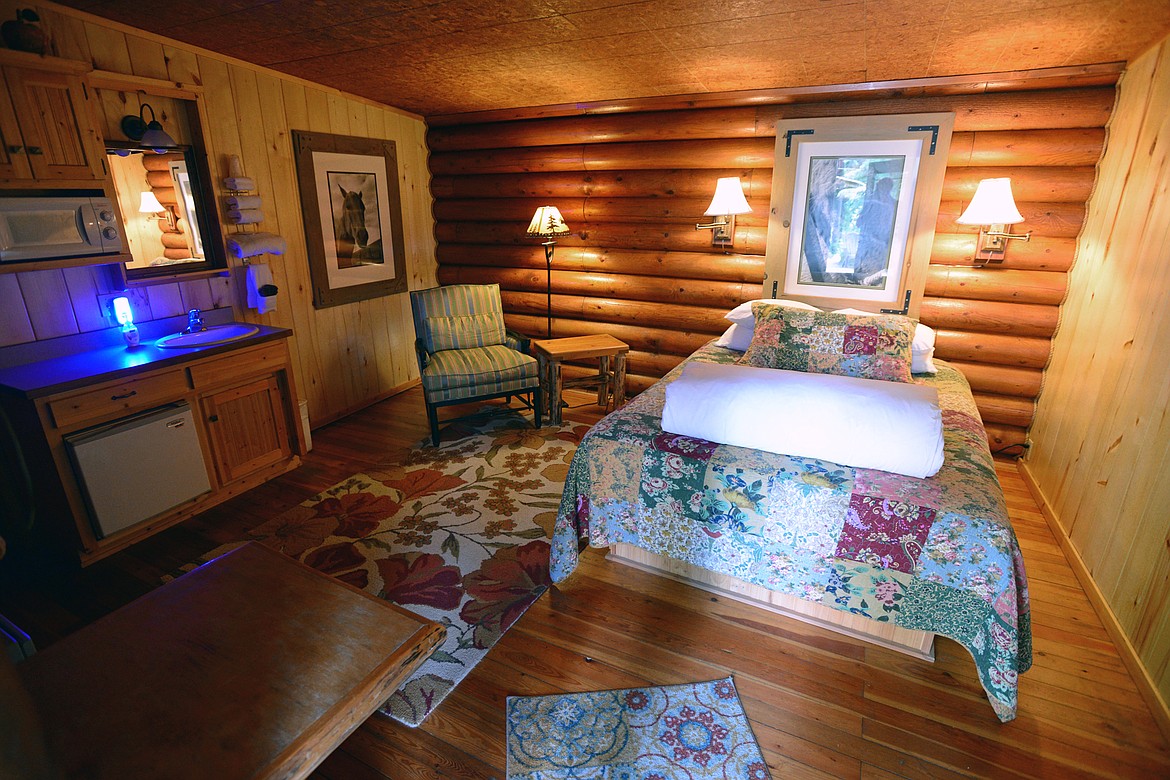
[133, 469]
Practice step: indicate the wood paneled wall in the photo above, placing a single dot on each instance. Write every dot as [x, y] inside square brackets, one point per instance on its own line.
[1101, 441]
[631, 186]
[345, 356]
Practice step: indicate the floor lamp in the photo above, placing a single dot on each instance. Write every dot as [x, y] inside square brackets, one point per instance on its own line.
[548, 223]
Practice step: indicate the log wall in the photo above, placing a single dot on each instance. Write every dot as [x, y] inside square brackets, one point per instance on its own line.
[632, 185]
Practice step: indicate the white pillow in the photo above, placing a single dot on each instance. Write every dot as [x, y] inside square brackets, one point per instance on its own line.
[921, 351]
[738, 336]
[743, 312]
[743, 322]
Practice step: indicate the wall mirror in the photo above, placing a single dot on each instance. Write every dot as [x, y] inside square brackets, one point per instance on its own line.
[165, 196]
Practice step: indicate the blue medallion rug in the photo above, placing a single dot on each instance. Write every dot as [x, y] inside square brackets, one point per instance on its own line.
[696, 731]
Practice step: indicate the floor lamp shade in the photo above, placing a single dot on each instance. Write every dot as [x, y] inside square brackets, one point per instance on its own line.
[548, 223]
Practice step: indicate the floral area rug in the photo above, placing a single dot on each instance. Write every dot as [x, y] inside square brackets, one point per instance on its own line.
[457, 534]
[695, 731]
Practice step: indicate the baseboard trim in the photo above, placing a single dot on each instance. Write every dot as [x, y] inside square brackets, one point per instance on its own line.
[1129, 656]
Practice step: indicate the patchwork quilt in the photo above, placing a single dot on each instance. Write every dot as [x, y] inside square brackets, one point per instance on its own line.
[936, 554]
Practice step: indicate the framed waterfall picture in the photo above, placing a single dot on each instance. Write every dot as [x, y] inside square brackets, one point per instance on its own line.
[854, 202]
[352, 211]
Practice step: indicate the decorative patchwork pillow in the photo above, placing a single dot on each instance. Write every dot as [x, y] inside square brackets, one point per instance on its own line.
[921, 351]
[871, 346]
[465, 331]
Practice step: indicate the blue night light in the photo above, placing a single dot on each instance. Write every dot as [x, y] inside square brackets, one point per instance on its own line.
[125, 318]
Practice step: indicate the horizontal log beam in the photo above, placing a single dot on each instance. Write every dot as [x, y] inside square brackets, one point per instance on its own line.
[680, 182]
[996, 284]
[1005, 410]
[1006, 440]
[1040, 253]
[1020, 319]
[993, 348]
[584, 211]
[1088, 107]
[688, 319]
[1049, 184]
[1027, 147]
[682, 265]
[689, 292]
[718, 153]
[668, 238]
[1001, 380]
[1053, 220]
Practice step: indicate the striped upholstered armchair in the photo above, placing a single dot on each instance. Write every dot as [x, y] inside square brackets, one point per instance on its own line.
[465, 353]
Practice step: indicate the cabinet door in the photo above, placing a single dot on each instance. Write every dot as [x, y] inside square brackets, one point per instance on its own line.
[13, 160]
[247, 428]
[60, 136]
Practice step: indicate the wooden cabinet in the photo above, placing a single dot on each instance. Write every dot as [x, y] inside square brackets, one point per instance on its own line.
[49, 130]
[246, 414]
[246, 427]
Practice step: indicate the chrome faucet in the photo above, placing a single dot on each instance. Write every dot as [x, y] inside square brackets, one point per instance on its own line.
[194, 321]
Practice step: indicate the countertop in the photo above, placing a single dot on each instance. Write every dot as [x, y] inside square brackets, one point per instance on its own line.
[100, 364]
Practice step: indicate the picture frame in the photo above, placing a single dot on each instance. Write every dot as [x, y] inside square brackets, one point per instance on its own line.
[851, 216]
[352, 211]
[866, 191]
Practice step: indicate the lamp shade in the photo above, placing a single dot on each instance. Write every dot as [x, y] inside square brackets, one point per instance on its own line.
[149, 203]
[547, 221]
[993, 204]
[156, 138]
[728, 198]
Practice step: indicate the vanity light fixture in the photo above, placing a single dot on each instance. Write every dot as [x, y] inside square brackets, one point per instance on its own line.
[993, 209]
[548, 223]
[729, 200]
[150, 134]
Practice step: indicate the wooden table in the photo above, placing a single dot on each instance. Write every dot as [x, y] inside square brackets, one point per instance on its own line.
[252, 666]
[610, 378]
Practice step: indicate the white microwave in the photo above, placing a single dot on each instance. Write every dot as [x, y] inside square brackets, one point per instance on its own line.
[55, 227]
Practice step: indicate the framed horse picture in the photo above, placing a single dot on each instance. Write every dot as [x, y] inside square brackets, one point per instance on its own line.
[352, 212]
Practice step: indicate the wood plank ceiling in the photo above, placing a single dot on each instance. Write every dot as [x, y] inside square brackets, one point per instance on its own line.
[456, 56]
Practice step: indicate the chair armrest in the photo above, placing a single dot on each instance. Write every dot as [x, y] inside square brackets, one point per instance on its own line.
[517, 341]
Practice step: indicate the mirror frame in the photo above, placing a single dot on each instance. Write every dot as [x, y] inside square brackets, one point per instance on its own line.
[214, 254]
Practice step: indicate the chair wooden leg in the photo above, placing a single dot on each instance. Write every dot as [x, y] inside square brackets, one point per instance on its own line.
[538, 406]
[433, 418]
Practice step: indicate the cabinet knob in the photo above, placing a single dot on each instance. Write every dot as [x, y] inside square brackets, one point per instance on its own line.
[15, 149]
[213, 418]
[35, 150]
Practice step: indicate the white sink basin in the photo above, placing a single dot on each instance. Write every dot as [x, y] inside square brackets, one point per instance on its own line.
[216, 334]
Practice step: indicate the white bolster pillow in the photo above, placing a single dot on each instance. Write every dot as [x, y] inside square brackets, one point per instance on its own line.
[865, 423]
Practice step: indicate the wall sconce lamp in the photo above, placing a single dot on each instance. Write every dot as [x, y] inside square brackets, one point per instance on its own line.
[150, 205]
[149, 134]
[993, 209]
[548, 223]
[729, 200]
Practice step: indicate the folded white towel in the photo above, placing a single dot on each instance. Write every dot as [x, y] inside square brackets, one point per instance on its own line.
[261, 290]
[892, 426]
[241, 202]
[239, 183]
[251, 244]
[245, 216]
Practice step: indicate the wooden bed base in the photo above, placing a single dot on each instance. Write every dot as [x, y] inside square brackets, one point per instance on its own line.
[915, 643]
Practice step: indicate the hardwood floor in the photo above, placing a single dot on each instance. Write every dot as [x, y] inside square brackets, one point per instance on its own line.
[822, 705]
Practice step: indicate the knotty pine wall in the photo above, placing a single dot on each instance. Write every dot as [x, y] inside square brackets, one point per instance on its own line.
[1101, 441]
[345, 356]
[631, 186]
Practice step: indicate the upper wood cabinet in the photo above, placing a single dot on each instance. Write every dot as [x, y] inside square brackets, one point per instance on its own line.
[48, 128]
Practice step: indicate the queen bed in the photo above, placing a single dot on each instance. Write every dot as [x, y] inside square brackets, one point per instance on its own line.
[896, 558]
